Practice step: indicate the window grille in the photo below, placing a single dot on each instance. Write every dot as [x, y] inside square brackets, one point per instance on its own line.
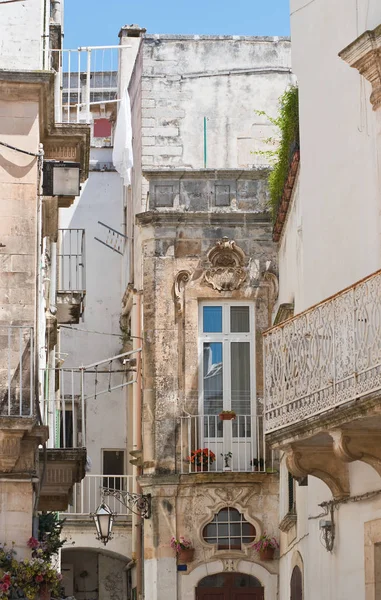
[229, 530]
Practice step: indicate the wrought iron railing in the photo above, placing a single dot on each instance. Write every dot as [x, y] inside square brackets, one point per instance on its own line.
[17, 371]
[324, 357]
[71, 260]
[236, 445]
[88, 494]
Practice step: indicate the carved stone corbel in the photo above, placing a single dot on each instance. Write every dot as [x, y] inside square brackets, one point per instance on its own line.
[10, 449]
[320, 461]
[364, 54]
[364, 445]
[180, 282]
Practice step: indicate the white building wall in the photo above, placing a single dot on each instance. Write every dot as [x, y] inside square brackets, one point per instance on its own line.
[97, 337]
[20, 41]
[330, 240]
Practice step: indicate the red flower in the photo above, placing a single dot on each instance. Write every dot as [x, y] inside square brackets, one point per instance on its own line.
[39, 578]
[7, 578]
[33, 543]
[4, 587]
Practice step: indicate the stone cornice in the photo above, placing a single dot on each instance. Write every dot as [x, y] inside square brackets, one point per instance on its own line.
[212, 174]
[204, 218]
[364, 54]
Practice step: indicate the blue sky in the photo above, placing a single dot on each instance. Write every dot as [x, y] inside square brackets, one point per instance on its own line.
[97, 22]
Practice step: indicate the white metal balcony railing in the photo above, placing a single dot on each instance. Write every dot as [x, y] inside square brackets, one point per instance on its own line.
[87, 77]
[237, 445]
[64, 411]
[88, 494]
[16, 371]
[324, 357]
[71, 260]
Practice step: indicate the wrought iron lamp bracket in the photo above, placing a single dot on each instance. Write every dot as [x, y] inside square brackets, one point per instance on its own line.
[139, 504]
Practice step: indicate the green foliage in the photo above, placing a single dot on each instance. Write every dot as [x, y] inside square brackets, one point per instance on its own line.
[287, 122]
[49, 534]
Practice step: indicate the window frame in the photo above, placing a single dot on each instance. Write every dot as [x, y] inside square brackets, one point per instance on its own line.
[228, 536]
[226, 338]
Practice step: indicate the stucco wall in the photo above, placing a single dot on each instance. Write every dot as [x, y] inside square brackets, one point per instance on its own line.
[21, 30]
[97, 337]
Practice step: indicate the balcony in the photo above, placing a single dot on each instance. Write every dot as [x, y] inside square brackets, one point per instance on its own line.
[322, 372]
[88, 494]
[71, 286]
[325, 357]
[237, 445]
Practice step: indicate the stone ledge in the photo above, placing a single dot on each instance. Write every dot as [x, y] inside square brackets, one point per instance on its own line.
[288, 521]
[259, 172]
[212, 218]
[64, 468]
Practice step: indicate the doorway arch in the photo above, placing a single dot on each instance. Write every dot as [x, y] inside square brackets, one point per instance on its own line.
[229, 586]
[296, 584]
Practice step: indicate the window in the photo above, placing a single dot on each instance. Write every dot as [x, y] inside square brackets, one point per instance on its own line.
[291, 493]
[113, 464]
[229, 530]
[296, 584]
[227, 380]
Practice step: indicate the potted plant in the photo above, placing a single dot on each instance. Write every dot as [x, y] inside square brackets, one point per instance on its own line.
[201, 458]
[227, 458]
[258, 464]
[183, 549]
[31, 579]
[227, 415]
[266, 547]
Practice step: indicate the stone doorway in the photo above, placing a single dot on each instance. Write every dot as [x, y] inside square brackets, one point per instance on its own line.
[229, 586]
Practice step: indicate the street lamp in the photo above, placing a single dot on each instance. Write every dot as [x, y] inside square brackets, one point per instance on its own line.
[61, 178]
[103, 519]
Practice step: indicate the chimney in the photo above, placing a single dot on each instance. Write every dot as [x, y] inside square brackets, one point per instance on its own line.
[130, 35]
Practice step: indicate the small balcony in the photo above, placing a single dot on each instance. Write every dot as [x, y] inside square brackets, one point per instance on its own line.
[233, 445]
[88, 495]
[327, 356]
[71, 286]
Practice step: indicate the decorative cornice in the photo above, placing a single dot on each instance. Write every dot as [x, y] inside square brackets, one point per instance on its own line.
[237, 219]
[364, 54]
[207, 174]
[288, 521]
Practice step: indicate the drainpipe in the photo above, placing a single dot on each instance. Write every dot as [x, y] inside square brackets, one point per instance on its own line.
[137, 442]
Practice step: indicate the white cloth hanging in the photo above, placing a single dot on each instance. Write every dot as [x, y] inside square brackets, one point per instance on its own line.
[122, 152]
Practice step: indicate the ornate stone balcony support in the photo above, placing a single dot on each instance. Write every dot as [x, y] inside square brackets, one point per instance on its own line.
[63, 468]
[364, 54]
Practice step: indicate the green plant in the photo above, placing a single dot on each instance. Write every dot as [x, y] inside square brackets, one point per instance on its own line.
[287, 122]
[49, 534]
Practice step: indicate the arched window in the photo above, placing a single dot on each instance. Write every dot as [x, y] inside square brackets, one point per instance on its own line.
[229, 530]
[296, 584]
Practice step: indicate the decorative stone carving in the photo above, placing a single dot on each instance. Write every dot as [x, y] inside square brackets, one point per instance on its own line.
[272, 280]
[319, 460]
[181, 280]
[227, 271]
[361, 444]
[10, 449]
[230, 565]
[364, 54]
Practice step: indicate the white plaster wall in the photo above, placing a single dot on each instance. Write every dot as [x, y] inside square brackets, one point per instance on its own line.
[100, 200]
[331, 239]
[21, 29]
[339, 188]
[80, 535]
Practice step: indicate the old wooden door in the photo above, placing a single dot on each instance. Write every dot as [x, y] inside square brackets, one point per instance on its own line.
[229, 586]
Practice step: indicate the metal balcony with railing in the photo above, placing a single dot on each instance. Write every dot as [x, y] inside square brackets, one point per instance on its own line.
[89, 493]
[71, 282]
[324, 357]
[235, 445]
[16, 371]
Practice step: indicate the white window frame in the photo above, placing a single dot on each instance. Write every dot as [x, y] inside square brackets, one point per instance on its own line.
[226, 338]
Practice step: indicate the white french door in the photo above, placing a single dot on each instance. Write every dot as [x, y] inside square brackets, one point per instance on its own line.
[227, 381]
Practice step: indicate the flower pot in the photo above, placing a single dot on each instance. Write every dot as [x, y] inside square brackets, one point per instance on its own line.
[226, 417]
[44, 593]
[267, 554]
[201, 467]
[186, 555]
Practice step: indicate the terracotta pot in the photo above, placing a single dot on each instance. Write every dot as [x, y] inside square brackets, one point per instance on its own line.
[44, 593]
[186, 555]
[226, 417]
[267, 554]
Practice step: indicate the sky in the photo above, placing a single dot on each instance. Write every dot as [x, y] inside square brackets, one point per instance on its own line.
[97, 22]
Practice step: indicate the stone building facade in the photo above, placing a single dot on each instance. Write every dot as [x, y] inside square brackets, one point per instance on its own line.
[201, 245]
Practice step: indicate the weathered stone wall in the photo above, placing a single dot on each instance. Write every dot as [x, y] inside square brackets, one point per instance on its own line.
[21, 31]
